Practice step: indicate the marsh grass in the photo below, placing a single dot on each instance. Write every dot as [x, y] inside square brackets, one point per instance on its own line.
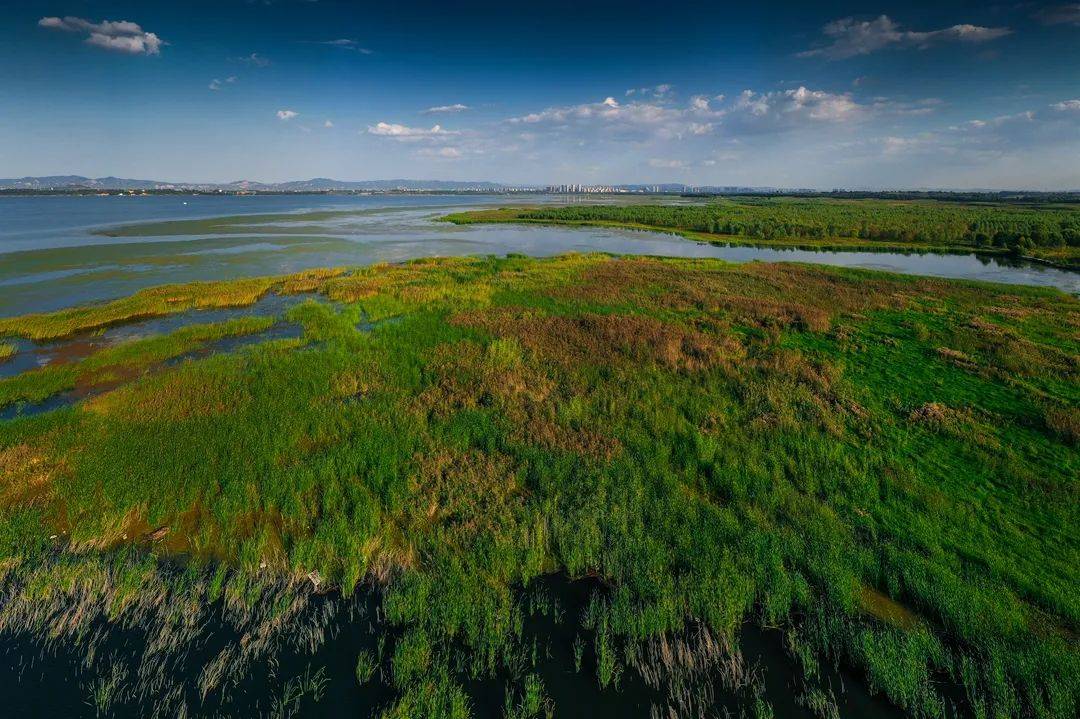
[158, 302]
[116, 364]
[7, 351]
[796, 446]
[1049, 234]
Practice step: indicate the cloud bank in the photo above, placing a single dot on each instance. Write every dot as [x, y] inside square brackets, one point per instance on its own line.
[848, 37]
[403, 133]
[440, 109]
[118, 35]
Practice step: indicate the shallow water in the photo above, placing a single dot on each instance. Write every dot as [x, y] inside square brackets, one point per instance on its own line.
[355, 627]
[52, 255]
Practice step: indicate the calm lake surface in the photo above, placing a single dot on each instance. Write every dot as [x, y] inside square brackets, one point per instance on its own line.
[52, 255]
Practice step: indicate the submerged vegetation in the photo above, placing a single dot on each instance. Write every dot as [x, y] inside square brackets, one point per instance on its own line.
[884, 467]
[158, 302]
[1050, 233]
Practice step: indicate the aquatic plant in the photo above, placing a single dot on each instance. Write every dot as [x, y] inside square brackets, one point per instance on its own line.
[366, 664]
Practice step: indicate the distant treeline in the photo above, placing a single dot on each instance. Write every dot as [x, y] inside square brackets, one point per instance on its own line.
[1004, 196]
[929, 223]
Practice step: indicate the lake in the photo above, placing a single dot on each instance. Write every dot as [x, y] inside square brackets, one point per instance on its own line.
[53, 255]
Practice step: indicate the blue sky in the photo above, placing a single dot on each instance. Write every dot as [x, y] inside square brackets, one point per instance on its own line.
[826, 94]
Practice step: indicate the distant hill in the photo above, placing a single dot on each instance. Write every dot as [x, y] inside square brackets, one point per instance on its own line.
[318, 184]
[53, 182]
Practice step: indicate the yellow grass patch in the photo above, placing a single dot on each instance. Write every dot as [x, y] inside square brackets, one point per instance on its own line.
[26, 476]
[887, 609]
[169, 397]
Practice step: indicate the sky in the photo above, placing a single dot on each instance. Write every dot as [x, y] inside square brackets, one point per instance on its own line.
[784, 94]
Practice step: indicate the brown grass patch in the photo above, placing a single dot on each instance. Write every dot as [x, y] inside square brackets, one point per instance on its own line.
[935, 413]
[172, 396]
[308, 280]
[606, 339]
[26, 476]
[466, 376]
[957, 358]
[129, 529]
[1016, 313]
[466, 493]
[960, 422]
[353, 288]
[1064, 422]
[762, 294]
[888, 610]
[551, 435]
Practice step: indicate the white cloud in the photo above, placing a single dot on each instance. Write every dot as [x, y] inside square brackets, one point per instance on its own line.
[254, 59]
[925, 106]
[657, 92]
[440, 153]
[217, 84]
[119, 35]
[344, 44]
[980, 141]
[404, 133]
[646, 121]
[439, 109]
[287, 114]
[610, 110]
[1059, 15]
[995, 123]
[328, 124]
[792, 108]
[848, 37]
[699, 103]
[1067, 106]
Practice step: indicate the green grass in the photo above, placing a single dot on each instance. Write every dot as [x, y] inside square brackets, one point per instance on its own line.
[121, 362]
[1046, 234]
[883, 465]
[158, 302]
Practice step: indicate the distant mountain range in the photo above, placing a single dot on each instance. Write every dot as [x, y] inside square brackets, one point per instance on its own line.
[80, 184]
[318, 184]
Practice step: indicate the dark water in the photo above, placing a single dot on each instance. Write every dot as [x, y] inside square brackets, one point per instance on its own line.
[51, 258]
[54, 683]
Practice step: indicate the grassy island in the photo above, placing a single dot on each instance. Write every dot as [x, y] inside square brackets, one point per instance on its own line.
[884, 467]
[1047, 233]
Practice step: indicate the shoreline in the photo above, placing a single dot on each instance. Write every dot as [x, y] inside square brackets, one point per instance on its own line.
[485, 217]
